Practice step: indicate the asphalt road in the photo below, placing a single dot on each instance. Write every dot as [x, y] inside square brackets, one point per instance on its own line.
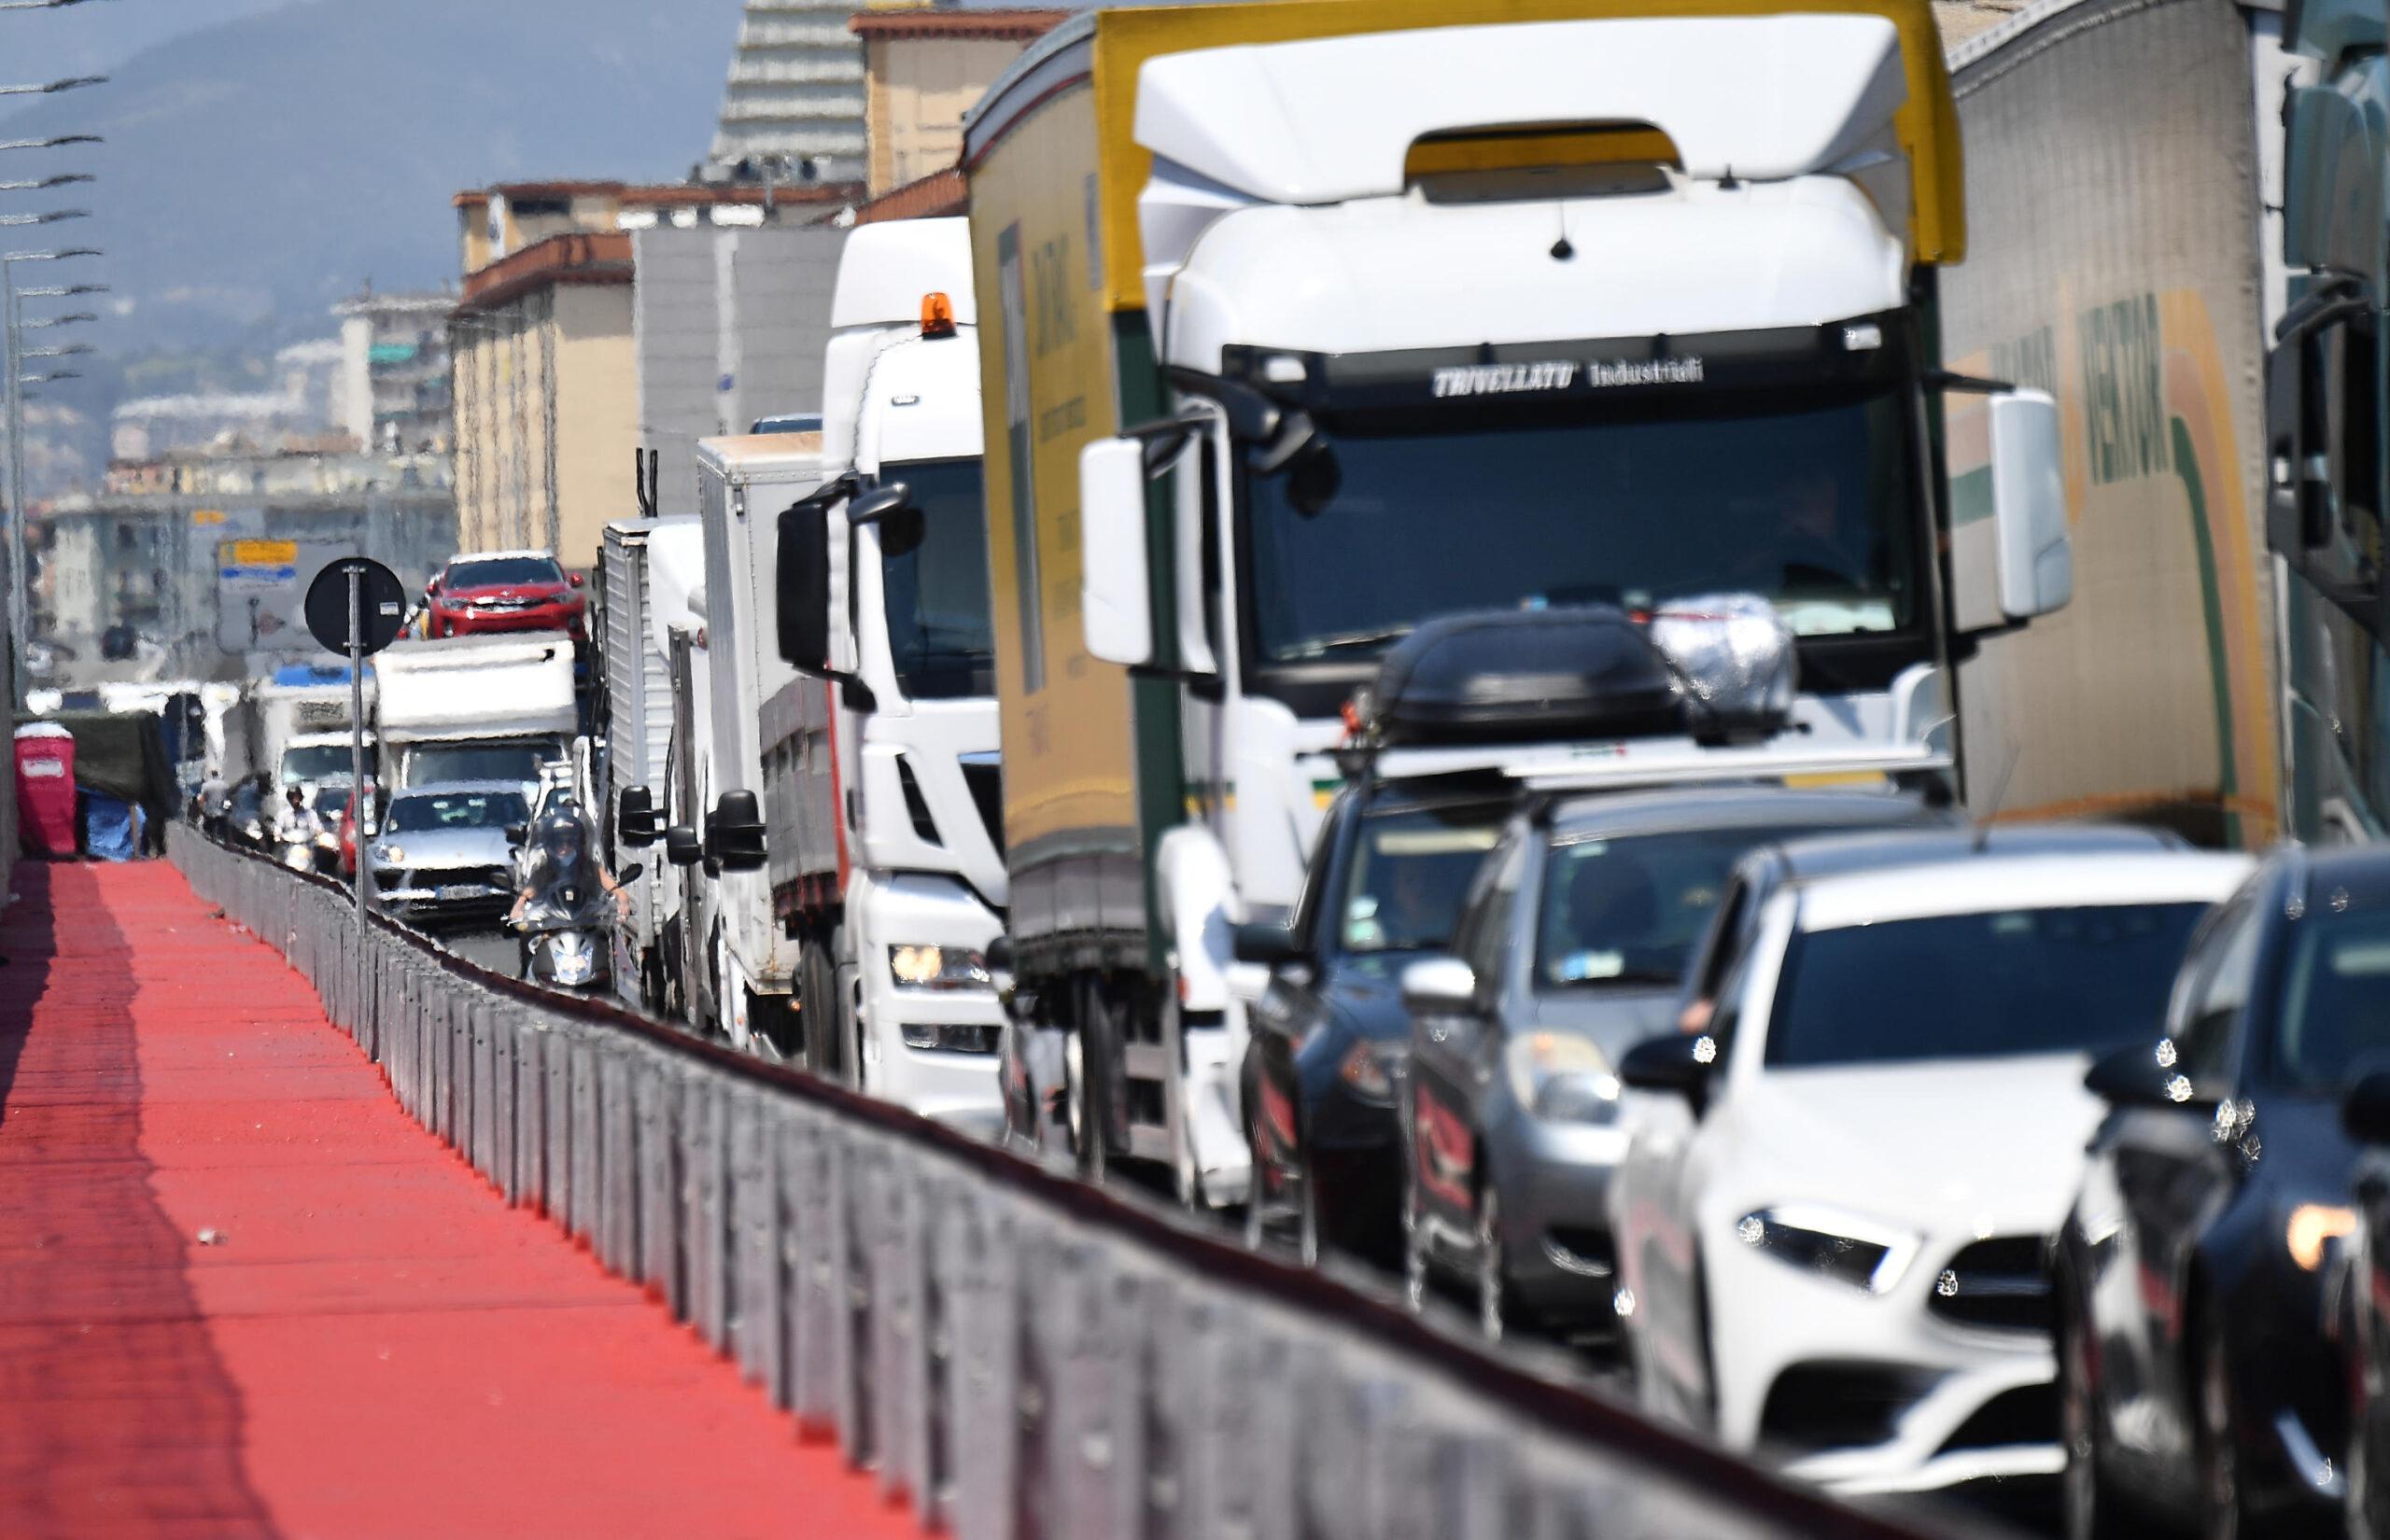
[492, 949]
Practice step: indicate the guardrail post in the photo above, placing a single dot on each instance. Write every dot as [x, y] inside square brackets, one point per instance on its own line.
[530, 1111]
[814, 1311]
[754, 1316]
[657, 1094]
[618, 1162]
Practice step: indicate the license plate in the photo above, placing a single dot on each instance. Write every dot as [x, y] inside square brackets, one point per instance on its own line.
[458, 891]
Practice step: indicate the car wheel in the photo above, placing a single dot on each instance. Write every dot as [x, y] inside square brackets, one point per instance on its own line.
[2089, 1511]
[2217, 1451]
[1414, 1219]
[1491, 1265]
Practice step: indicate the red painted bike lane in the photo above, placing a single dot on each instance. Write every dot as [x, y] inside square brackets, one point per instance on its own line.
[241, 1294]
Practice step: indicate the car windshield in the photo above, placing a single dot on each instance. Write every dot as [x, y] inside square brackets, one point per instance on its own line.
[938, 630]
[319, 762]
[332, 801]
[436, 811]
[1411, 870]
[477, 761]
[494, 572]
[1809, 504]
[2335, 1001]
[1983, 986]
[1628, 910]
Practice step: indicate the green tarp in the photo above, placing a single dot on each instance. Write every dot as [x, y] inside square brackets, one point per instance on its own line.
[124, 755]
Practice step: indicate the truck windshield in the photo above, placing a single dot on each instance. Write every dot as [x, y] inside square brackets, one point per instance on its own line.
[427, 815]
[477, 761]
[314, 763]
[938, 630]
[1811, 505]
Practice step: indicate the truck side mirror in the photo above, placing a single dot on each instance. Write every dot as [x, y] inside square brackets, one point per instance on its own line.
[1114, 602]
[635, 820]
[517, 833]
[735, 833]
[682, 847]
[804, 588]
[890, 506]
[2036, 555]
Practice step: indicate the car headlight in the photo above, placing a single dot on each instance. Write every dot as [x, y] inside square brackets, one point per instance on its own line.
[389, 853]
[1841, 1246]
[324, 840]
[2312, 1227]
[1372, 1069]
[1560, 1078]
[940, 968]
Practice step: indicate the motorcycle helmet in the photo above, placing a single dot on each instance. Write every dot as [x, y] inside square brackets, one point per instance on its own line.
[560, 836]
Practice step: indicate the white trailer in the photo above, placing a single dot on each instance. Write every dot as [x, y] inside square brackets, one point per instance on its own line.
[746, 972]
[649, 569]
[881, 776]
[491, 708]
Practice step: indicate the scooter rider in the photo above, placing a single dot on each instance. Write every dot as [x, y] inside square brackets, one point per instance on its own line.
[561, 858]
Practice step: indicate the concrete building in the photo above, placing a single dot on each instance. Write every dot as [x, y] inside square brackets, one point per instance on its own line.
[923, 69]
[394, 395]
[794, 100]
[545, 372]
[729, 326]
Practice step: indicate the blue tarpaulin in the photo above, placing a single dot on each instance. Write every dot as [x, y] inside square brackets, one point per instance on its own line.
[111, 826]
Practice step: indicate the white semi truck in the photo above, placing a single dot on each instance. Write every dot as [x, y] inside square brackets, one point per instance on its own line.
[485, 707]
[648, 571]
[881, 773]
[297, 705]
[1308, 322]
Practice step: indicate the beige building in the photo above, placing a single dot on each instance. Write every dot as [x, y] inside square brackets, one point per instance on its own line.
[923, 70]
[544, 371]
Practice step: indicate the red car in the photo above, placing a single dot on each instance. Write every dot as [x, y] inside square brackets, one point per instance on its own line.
[504, 591]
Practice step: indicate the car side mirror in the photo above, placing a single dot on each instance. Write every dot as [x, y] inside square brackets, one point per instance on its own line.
[1265, 942]
[804, 588]
[1675, 1064]
[997, 955]
[2143, 1075]
[574, 579]
[2036, 554]
[1433, 986]
[2365, 1111]
[1116, 607]
[682, 845]
[517, 833]
[635, 820]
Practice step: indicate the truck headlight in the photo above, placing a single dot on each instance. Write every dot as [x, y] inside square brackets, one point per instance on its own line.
[939, 968]
[1822, 1240]
[1560, 1078]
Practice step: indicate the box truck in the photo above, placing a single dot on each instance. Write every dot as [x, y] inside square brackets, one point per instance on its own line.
[742, 973]
[648, 570]
[1303, 323]
[880, 760]
[485, 708]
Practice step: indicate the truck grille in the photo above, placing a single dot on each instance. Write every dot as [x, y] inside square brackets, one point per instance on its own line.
[986, 779]
[1998, 1285]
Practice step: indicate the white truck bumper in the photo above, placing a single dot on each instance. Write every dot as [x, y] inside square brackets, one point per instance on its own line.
[932, 1051]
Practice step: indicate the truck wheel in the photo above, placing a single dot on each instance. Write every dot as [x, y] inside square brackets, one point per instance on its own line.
[817, 1011]
[1083, 1116]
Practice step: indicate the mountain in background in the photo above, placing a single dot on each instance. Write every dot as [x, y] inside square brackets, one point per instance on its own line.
[94, 39]
[261, 169]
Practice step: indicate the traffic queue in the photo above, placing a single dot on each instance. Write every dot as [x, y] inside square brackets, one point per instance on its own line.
[1462, 765]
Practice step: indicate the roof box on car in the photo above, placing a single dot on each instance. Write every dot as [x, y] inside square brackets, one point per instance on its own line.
[1524, 676]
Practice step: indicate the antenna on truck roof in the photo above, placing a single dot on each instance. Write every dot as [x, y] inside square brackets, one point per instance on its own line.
[1999, 793]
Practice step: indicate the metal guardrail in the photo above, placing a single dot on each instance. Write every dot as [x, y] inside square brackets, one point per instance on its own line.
[1021, 1355]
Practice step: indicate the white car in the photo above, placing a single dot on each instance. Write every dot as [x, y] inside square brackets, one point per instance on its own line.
[1835, 1202]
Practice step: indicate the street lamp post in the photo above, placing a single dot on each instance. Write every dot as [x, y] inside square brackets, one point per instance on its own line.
[12, 368]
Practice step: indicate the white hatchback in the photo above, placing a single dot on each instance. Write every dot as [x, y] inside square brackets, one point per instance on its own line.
[1835, 1205]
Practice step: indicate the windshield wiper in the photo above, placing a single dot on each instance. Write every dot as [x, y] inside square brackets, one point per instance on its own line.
[1312, 647]
[1630, 975]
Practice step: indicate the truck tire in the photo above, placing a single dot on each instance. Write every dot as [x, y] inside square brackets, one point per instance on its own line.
[818, 1013]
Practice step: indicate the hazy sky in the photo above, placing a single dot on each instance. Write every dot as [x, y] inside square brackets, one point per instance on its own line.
[93, 38]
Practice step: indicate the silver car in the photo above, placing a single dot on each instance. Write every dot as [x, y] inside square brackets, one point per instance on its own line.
[444, 855]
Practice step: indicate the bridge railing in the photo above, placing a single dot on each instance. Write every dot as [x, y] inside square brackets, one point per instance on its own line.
[1021, 1355]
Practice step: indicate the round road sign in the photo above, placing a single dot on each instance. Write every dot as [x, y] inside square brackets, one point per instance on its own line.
[382, 604]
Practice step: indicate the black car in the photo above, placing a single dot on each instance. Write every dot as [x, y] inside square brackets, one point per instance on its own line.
[1330, 1037]
[2192, 1283]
